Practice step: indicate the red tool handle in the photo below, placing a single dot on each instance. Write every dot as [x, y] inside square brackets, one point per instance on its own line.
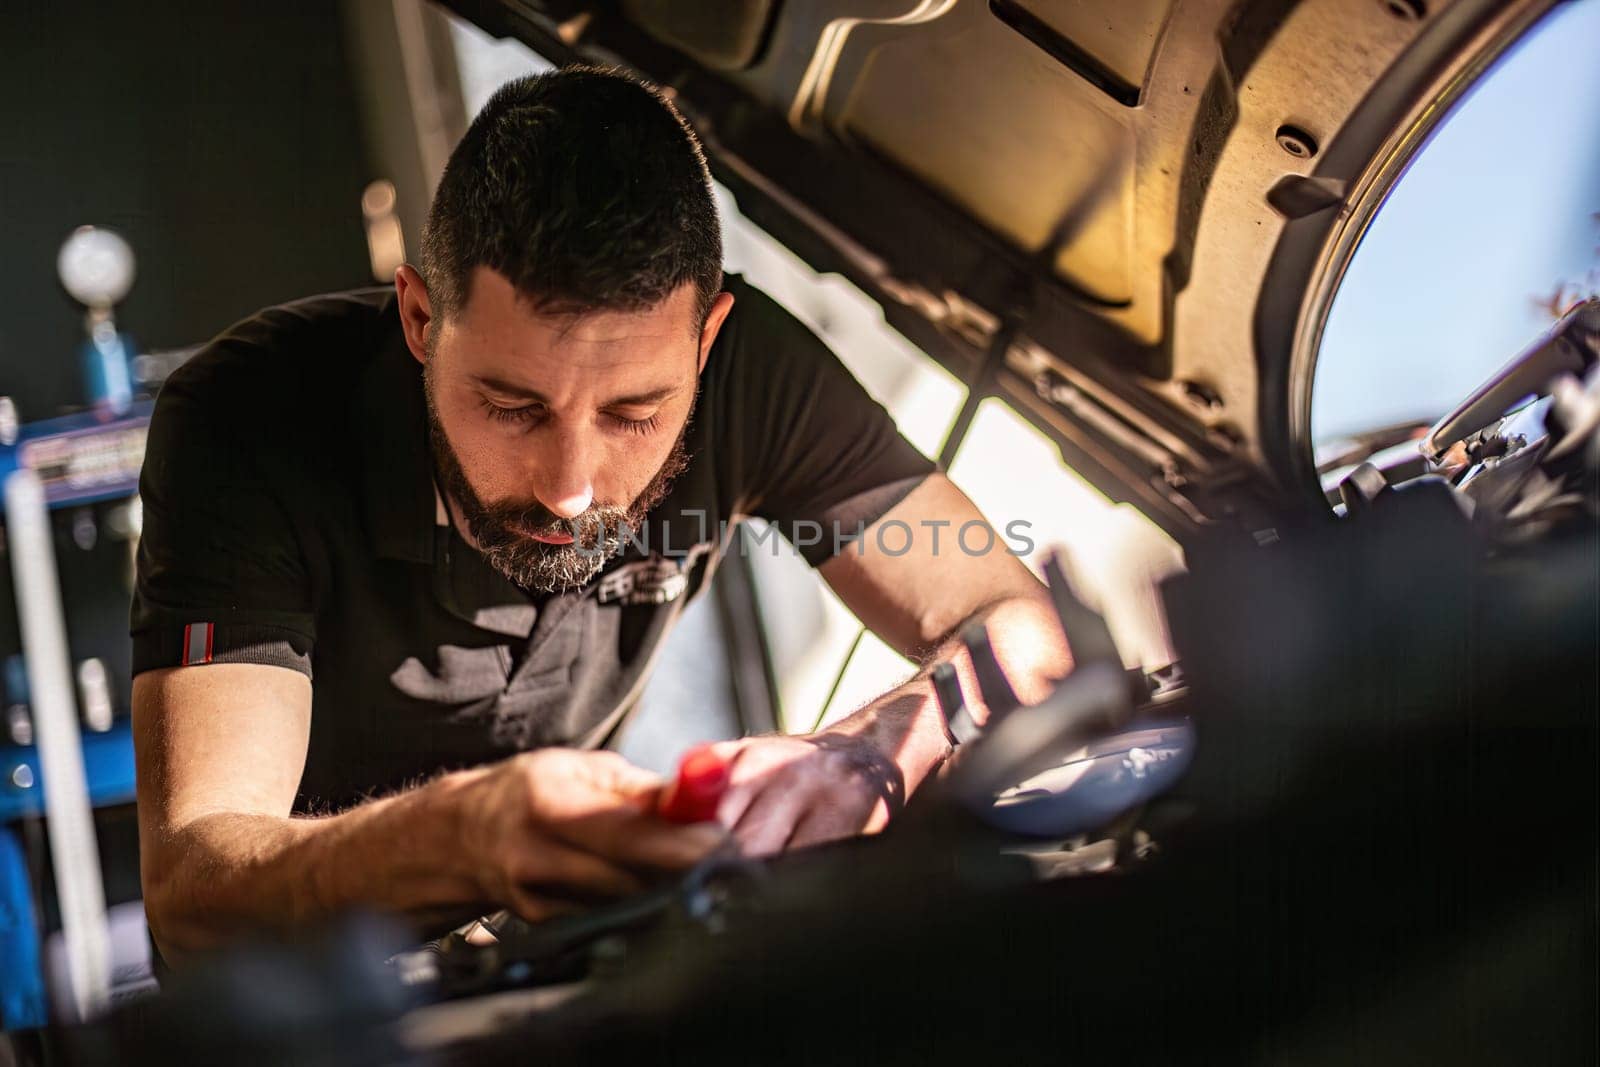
[694, 793]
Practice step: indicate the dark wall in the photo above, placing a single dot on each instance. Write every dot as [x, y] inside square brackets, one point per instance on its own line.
[223, 140]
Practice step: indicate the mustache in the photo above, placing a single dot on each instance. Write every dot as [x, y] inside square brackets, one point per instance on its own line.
[536, 518]
[515, 527]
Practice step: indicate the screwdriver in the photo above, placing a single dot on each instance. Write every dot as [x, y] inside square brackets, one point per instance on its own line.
[694, 793]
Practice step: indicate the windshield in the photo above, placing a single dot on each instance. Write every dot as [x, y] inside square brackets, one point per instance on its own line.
[1491, 233]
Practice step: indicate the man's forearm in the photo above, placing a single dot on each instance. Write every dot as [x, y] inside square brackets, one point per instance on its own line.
[906, 725]
[226, 873]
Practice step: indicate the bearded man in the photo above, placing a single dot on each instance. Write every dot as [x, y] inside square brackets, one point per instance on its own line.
[409, 553]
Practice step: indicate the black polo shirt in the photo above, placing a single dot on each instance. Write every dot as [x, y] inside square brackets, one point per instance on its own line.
[290, 518]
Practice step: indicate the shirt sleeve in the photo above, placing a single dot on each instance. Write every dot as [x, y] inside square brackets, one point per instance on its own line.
[816, 455]
[220, 578]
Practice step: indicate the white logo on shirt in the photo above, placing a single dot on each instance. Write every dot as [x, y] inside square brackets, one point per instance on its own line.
[656, 580]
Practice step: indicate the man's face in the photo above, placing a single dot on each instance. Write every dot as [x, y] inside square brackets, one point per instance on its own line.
[553, 432]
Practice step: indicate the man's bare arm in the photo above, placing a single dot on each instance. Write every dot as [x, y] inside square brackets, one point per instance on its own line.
[220, 752]
[791, 792]
[919, 602]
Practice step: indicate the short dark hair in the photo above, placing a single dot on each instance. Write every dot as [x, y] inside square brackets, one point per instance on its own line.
[586, 189]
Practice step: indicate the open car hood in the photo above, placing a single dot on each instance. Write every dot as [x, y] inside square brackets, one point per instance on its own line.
[1125, 217]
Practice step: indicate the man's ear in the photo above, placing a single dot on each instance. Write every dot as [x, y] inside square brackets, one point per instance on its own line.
[416, 313]
[714, 319]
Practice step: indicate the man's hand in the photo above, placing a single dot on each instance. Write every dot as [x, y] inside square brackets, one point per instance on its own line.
[789, 792]
[546, 829]
[221, 751]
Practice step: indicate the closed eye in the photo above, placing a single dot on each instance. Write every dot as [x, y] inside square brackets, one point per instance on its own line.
[639, 426]
[517, 416]
[529, 414]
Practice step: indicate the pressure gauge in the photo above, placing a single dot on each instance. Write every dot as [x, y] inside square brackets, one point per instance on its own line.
[96, 266]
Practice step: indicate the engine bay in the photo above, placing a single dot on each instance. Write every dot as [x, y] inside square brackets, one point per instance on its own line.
[1362, 800]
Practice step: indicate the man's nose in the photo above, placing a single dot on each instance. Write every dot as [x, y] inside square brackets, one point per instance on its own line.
[565, 480]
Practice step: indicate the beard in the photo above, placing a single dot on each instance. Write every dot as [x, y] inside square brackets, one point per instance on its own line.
[504, 532]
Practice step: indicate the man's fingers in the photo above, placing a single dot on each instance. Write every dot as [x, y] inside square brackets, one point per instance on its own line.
[826, 823]
[819, 829]
[735, 802]
[572, 872]
[615, 819]
[766, 825]
[641, 839]
[744, 783]
[614, 773]
[653, 842]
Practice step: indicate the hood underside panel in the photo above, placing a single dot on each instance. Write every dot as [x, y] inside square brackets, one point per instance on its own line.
[1122, 217]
